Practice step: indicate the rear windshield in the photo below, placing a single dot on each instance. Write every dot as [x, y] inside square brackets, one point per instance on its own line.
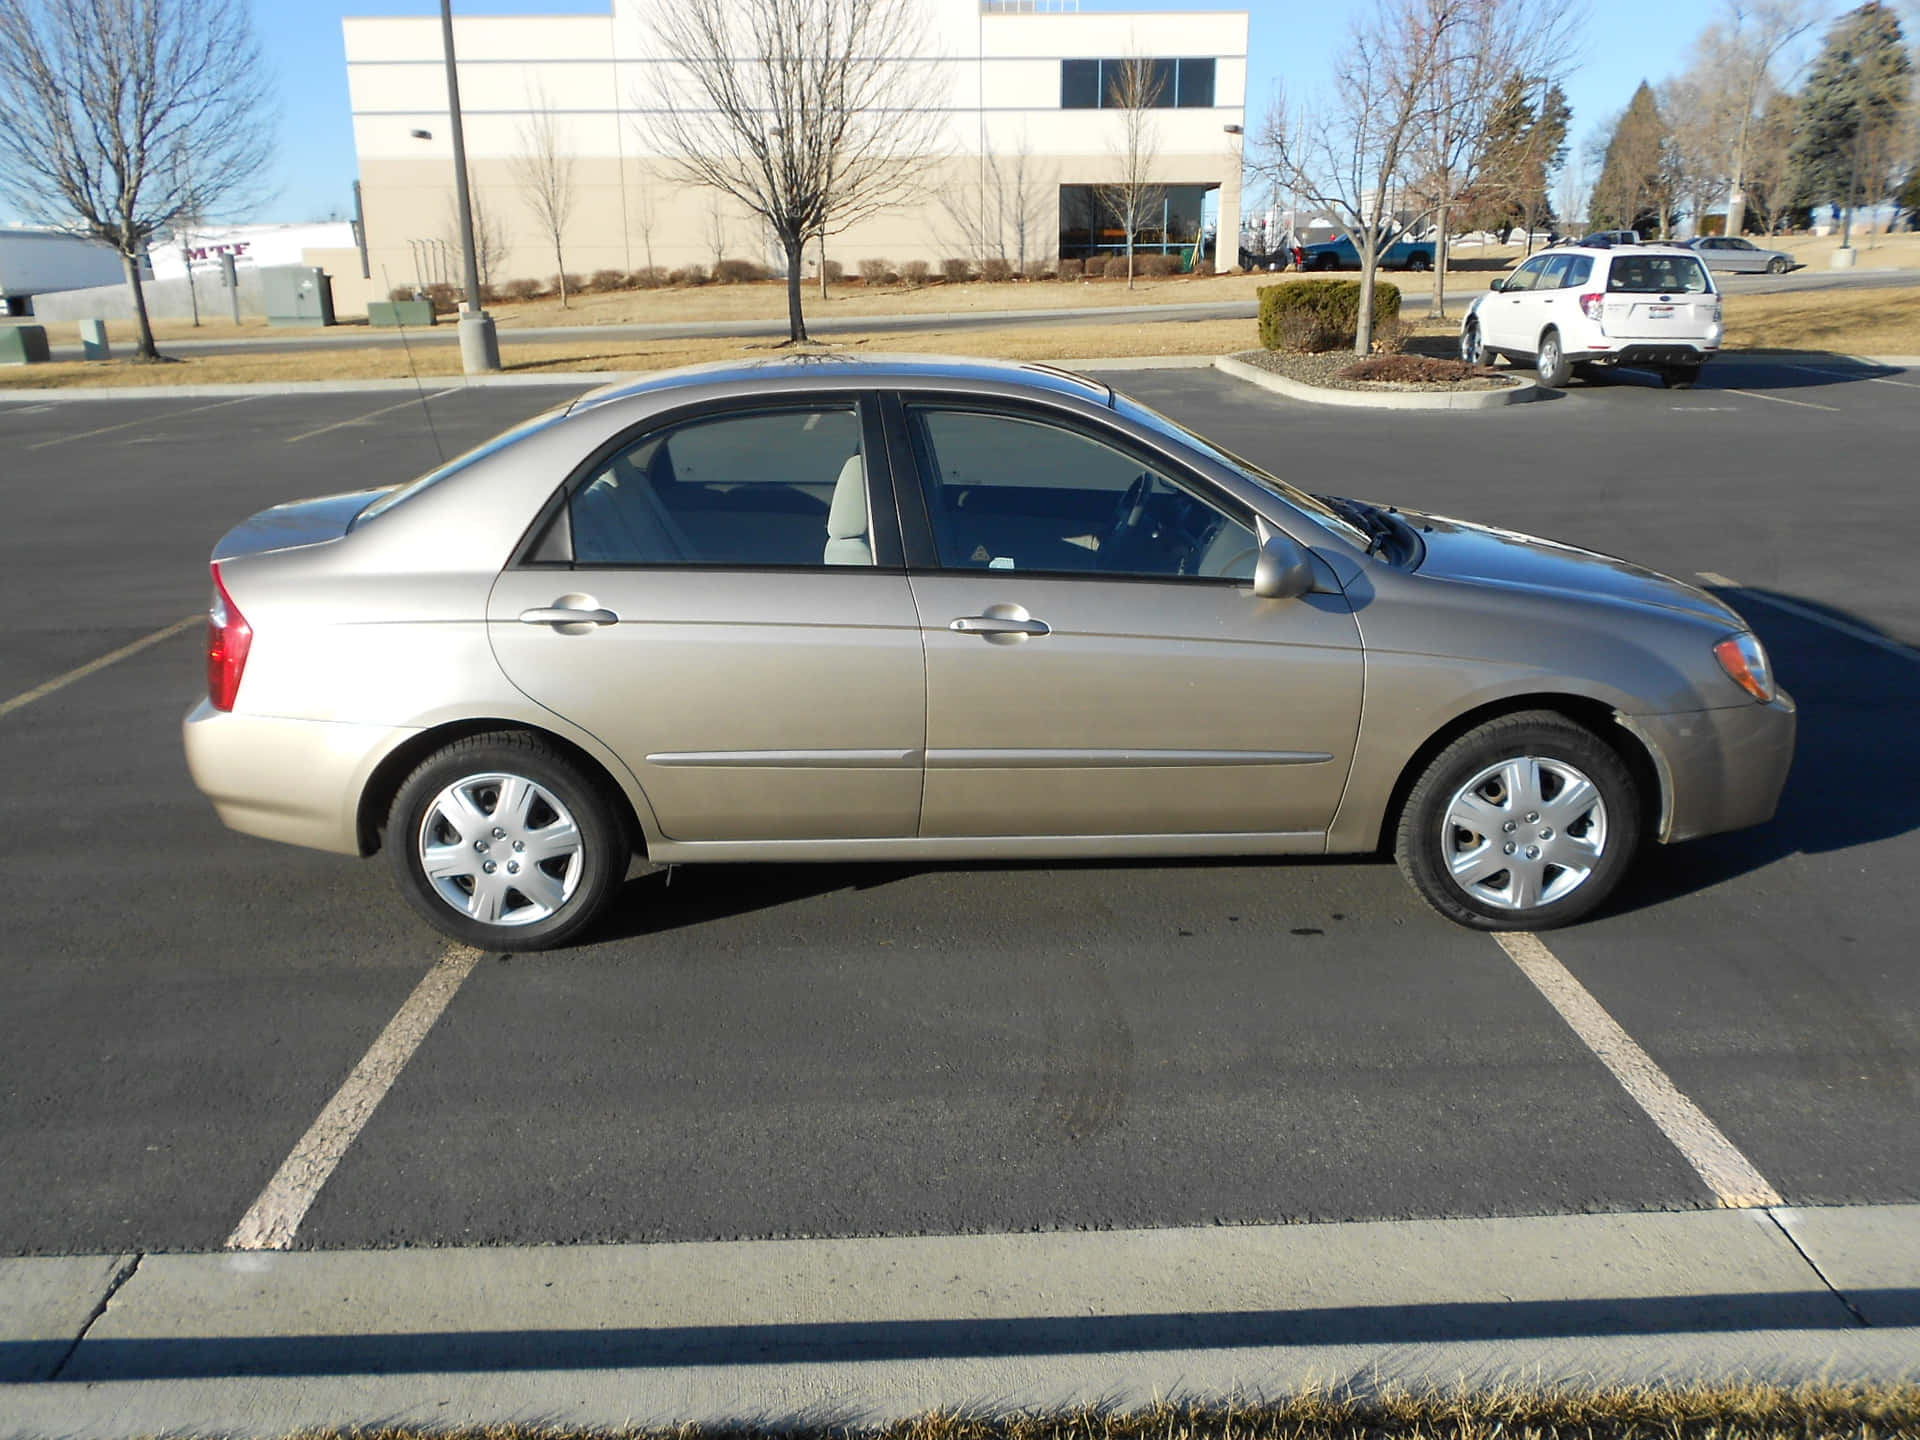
[1658, 275]
[454, 466]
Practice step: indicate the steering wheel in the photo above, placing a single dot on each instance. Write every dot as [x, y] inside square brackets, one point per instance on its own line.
[1131, 510]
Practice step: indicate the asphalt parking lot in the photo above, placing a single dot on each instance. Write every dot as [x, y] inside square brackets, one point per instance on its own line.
[885, 1050]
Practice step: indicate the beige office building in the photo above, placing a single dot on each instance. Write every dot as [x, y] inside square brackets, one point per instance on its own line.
[1019, 85]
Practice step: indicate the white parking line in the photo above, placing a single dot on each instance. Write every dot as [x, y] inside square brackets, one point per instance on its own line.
[143, 420]
[1806, 612]
[370, 415]
[273, 1219]
[60, 682]
[1851, 375]
[1728, 1173]
[1782, 400]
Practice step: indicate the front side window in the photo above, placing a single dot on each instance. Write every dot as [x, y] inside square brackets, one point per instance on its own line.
[1527, 277]
[1009, 493]
[766, 488]
[1658, 275]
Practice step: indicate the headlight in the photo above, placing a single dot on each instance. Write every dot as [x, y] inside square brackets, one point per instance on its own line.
[1744, 659]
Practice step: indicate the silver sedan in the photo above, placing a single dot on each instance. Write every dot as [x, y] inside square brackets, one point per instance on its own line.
[1738, 254]
[941, 611]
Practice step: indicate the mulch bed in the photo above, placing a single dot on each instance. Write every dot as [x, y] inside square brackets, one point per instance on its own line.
[1339, 370]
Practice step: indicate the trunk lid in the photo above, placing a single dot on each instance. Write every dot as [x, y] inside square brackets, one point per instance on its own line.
[297, 523]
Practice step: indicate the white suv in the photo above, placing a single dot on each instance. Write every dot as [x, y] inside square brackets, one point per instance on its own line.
[1571, 310]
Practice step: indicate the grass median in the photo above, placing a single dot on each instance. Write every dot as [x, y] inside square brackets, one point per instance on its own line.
[1848, 322]
[1690, 1412]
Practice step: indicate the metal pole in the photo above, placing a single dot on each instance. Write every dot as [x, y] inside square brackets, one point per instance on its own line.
[479, 345]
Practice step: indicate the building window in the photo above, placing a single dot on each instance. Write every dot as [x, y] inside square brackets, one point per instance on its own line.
[1177, 225]
[1094, 84]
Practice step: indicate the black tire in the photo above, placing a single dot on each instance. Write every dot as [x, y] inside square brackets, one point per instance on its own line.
[1680, 377]
[1425, 841]
[1473, 349]
[603, 850]
[1776, 266]
[1550, 361]
[1418, 264]
[1586, 372]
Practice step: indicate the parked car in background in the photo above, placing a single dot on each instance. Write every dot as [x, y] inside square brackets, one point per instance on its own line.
[1739, 254]
[932, 611]
[1340, 253]
[1571, 311]
[1287, 256]
[1607, 239]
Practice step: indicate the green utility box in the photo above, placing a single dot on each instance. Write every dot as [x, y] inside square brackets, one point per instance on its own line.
[297, 294]
[389, 314]
[24, 345]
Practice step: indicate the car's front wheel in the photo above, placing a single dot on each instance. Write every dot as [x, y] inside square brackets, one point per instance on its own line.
[503, 841]
[1419, 263]
[1777, 266]
[1551, 363]
[1473, 347]
[1524, 823]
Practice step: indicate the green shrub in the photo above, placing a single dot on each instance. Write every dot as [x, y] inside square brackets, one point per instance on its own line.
[1309, 316]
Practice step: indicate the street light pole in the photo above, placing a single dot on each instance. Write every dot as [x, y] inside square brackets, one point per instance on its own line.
[479, 344]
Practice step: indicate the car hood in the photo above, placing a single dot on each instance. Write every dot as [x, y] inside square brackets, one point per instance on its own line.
[1484, 554]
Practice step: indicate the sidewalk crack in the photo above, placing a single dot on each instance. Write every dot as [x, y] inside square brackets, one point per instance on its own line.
[120, 1278]
[1773, 1214]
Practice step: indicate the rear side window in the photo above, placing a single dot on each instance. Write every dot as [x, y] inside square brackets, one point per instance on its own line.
[1579, 270]
[1640, 274]
[771, 488]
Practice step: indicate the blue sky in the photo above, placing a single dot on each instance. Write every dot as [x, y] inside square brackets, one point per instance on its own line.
[1291, 41]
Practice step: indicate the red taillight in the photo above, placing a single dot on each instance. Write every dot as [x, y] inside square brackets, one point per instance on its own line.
[229, 637]
[1592, 304]
[1299, 256]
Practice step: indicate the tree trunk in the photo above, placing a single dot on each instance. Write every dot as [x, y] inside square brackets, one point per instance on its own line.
[1438, 305]
[796, 321]
[562, 276]
[823, 266]
[143, 348]
[1129, 259]
[1363, 319]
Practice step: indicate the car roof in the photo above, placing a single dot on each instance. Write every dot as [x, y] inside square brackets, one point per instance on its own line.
[834, 371]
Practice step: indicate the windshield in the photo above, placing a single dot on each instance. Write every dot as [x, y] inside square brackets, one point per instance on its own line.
[1658, 275]
[1141, 415]
[454, 466]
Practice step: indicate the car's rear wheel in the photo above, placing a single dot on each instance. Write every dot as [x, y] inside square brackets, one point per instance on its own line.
[1551, 363]
[1473, 347]
[504, 842]
[1680, 377]
[1419, 263]
[1524, 823]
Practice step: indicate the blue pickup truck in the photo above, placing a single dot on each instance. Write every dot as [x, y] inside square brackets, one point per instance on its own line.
[1340, 253]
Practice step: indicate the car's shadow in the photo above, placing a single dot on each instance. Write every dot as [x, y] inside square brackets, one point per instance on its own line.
[1854, 777]
[1854, 781]
[1733, 370]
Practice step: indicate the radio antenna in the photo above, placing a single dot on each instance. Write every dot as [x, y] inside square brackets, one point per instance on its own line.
[414, 371]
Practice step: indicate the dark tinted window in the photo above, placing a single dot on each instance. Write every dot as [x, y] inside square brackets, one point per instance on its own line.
[1079, 84]
[1579, 270]
[1008, 493]
[1658, 275]
[1196, 84]
[744, 489]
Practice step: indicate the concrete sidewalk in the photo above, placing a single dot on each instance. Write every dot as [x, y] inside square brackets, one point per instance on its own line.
[861, 1331]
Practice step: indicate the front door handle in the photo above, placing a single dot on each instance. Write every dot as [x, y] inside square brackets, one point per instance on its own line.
[999, 625]
[564, 615]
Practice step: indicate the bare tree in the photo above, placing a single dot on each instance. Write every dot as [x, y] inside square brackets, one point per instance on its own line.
[813, 114]
[489, 240]
[100, 100]
[1479, 48]
[1135, 89]
[544, 170]
[716, 232]
[1003, 218]
[645, 215]
[1346, 153]
[1737, 57]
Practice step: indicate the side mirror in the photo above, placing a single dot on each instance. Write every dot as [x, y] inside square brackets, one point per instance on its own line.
[1498, 285]
[1283, 570]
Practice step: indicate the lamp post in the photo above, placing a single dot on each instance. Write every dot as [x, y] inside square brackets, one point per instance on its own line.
[479, 344]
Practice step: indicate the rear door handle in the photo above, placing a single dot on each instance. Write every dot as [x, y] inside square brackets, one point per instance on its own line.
[560, 615]
[999, 625]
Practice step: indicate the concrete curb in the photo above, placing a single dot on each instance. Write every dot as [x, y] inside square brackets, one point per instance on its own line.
[859, 1332]
[1377, 400]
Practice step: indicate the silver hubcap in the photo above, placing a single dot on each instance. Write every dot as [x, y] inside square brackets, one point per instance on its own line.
[1523, 833]
[500, 849]
[1470, 347]
[1549, 356]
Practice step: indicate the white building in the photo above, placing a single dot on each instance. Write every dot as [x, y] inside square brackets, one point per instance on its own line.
[41, 262]
[1014, 79]
[251, 246]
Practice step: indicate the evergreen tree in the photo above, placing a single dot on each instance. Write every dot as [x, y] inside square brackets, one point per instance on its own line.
[1526, 142]
[1852, 103]
[1636, 189]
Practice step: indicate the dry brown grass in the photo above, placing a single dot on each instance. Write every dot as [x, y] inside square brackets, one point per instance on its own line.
[1692, 1412]
[1865, 322]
